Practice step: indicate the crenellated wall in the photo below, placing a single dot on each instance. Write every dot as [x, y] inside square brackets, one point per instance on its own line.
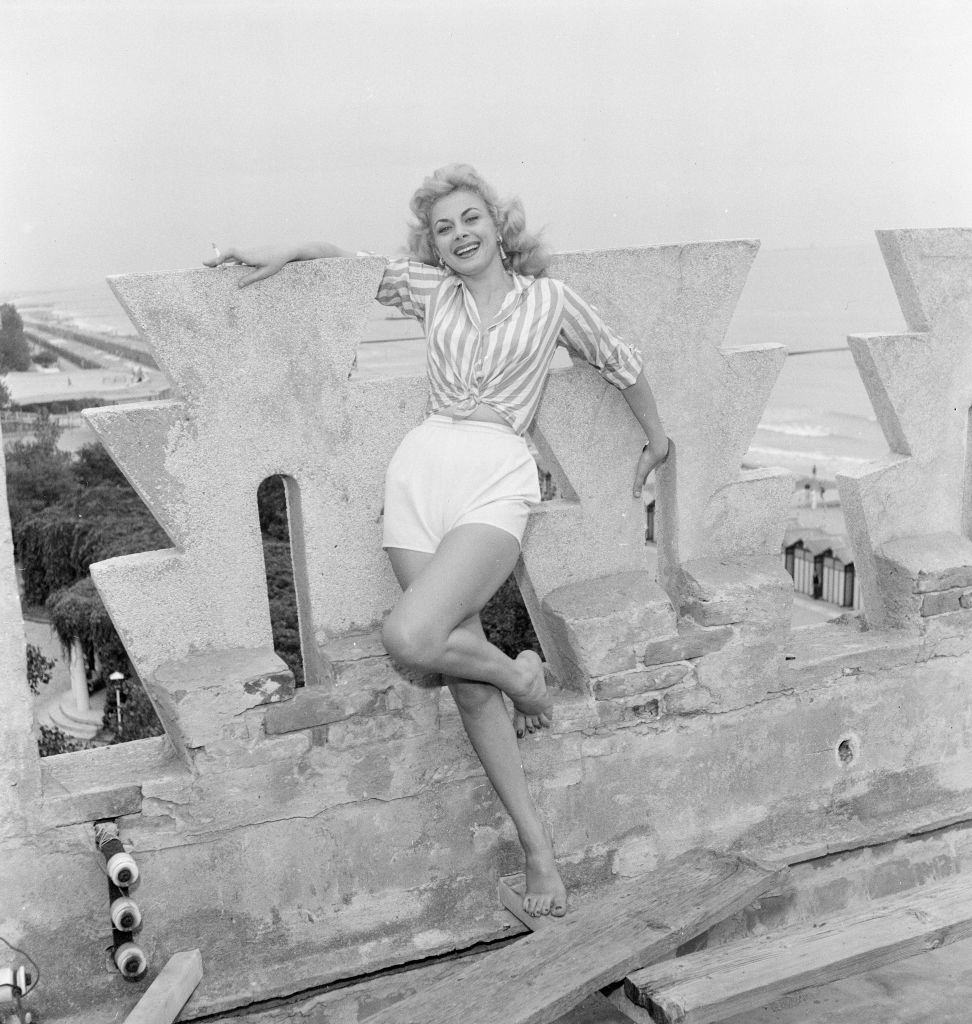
[303, 836]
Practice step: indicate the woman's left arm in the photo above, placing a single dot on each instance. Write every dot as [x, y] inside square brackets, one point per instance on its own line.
[587, 334]
[641, 402]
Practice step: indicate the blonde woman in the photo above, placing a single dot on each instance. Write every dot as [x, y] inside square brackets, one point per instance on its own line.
[459, 488]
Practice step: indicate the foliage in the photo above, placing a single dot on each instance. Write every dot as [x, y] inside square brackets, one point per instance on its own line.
[93, 465]
[272, 507]
[38, 668]
[38, 474]
[138, 717]
[283, 605]
[53, 741]
[4, 396]
[77, 611]
[506, 621]
[14, 350]
[44, 357]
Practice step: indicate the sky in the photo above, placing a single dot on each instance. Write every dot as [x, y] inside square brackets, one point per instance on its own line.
[134, 133]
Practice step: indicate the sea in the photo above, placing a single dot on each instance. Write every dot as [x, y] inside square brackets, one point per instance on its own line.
[818, 419]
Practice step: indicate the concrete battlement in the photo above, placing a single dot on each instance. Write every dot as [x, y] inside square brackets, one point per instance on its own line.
[301, 837]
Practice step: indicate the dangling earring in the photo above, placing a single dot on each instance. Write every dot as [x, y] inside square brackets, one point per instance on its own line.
[504, 259]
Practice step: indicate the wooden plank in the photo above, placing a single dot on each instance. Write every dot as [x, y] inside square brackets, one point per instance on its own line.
[714, 984]
[510, 891]
[167, 995]
[545, 974]
[596, 1008]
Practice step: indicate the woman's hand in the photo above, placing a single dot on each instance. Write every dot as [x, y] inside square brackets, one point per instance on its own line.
[266, 261]
[652, 456]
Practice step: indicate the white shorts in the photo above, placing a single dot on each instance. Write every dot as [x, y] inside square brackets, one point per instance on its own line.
[448, 473]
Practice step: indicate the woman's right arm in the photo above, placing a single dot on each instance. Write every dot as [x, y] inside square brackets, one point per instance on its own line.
[268, 261]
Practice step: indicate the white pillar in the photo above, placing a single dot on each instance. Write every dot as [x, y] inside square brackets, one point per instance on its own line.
[79, 678]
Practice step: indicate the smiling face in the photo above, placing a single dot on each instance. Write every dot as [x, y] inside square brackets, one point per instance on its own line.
[463, 233]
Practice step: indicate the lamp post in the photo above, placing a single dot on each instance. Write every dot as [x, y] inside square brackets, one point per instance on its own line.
[117, 678]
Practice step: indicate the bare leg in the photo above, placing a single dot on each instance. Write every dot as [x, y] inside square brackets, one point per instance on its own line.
[444, 589]
[491, 733]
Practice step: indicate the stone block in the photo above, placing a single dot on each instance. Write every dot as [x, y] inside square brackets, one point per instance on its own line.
[640, 680]
[723, 592]
[941, 601]
[686, 700]
[601, 626]
[19, 759]
[915, 500]
[73, 808]
[693, 641]
[201, 698]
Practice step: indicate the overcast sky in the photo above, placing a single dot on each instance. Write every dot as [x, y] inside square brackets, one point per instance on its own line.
[135, 132]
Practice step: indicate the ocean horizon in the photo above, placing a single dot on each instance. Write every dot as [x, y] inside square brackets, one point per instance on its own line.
[808, 300]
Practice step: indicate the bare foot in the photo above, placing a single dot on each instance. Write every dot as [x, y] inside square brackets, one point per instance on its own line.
[532, 706]
[545, 892]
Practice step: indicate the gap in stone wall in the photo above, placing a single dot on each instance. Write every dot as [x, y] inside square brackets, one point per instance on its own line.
[276, 497]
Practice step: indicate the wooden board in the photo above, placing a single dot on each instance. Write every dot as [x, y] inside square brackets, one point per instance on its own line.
[714, 984]
[510, 891]
[545, 974]
[166, 996]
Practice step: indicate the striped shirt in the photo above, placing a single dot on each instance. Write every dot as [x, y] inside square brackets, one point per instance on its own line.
[503, 364]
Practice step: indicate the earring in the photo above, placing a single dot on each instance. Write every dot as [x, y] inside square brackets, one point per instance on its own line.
[502, 252]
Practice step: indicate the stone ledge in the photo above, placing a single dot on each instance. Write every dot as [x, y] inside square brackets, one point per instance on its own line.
[601, 626]
[104, 782]
[938, 561]
[639, 680]
[721, 592]
[693, 641]
[840, 648]
[200, 698]
[939, 602]
[95, 805]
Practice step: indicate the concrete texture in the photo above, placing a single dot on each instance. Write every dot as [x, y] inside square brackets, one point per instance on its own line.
[263, 378]
[674, 304]
[920, 385]
[19, 770]
[300, 839]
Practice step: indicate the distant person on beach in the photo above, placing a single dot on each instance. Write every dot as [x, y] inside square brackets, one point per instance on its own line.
[460, 486]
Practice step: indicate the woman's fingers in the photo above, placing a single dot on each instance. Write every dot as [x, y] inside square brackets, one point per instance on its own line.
[259, 274]
[650, 459]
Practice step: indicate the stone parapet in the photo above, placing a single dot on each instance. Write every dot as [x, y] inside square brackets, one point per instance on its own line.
[303, 837]
[909, 515]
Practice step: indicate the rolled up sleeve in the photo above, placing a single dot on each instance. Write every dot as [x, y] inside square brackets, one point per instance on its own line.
[408, 284]
[583, 332]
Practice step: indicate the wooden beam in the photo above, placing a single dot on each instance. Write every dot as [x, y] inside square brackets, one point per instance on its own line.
[542, 976]
[166, 996]
[714, 984]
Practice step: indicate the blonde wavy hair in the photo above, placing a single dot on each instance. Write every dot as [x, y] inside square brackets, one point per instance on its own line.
[525, 253]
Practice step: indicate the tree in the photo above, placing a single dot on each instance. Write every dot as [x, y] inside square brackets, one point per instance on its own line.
[14, 350]
[38, 475]
[5, 398]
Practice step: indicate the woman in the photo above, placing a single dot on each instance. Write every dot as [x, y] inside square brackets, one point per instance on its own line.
[459, 487]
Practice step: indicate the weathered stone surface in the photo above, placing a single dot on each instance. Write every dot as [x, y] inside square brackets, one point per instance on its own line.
[674, 304]
[693, 641]
[687, 700]
[263, 378]
[942, 601]
[308, 857]
[920, 385]
[200, 698]
[600, 626]
[95, 805]
[720, 592]
[640, 680]
[19, 760]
